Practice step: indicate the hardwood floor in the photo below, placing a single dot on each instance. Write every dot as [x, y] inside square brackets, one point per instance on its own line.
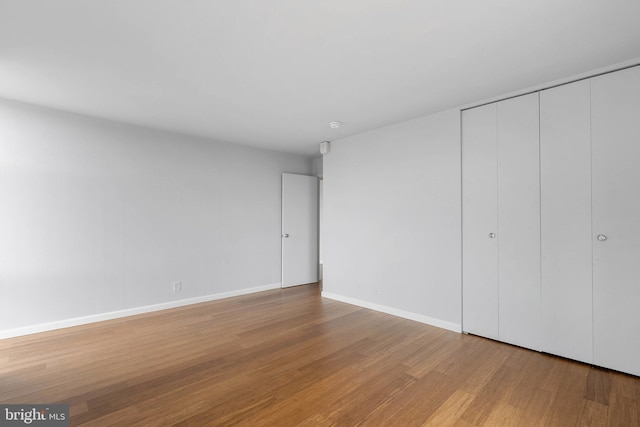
[290, 358]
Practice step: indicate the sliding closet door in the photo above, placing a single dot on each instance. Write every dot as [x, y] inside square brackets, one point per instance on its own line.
[479, 222]
[615, 128]
[565, 181]
[519, 220]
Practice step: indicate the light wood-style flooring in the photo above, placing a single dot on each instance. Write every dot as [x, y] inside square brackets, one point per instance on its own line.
[290, 358]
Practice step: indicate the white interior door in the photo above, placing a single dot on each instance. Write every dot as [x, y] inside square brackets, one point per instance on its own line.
[299, 229]
[615, 126]
[565, 182]
[519, 220]
[479, 222]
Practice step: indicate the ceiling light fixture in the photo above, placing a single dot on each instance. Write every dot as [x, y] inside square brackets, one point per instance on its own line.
[334, 125]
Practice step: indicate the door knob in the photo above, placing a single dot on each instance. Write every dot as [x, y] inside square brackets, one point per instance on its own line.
[492, 235]
[286, 236]
[602, 237]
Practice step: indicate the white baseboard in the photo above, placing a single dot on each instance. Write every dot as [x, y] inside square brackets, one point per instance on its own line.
[455, 327]
[59, 324]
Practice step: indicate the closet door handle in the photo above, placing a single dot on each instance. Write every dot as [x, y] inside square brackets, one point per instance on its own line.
[492, 235]
[602, 237]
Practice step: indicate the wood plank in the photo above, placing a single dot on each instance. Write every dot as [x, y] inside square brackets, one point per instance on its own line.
[290, 357]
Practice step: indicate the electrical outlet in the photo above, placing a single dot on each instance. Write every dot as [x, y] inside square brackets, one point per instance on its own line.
[177, 286]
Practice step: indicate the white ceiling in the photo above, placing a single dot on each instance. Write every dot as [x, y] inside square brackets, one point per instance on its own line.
[273, 73]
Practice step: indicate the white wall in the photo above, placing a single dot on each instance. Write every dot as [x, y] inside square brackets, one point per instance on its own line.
[97, 216]
[392, 215]
[316, 165]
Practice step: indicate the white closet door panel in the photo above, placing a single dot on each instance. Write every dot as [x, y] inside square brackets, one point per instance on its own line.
[519, 221]
[565, 179]
[479, 219]
[616, 215]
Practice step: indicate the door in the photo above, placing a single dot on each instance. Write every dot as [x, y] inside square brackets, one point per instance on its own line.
[480, 222]
[565, 183]
[519, 220]
[615, 126]
[299, 229]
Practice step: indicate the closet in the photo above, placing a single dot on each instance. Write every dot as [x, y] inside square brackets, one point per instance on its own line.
[501, 221]
[565, 218]
[551, 220]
